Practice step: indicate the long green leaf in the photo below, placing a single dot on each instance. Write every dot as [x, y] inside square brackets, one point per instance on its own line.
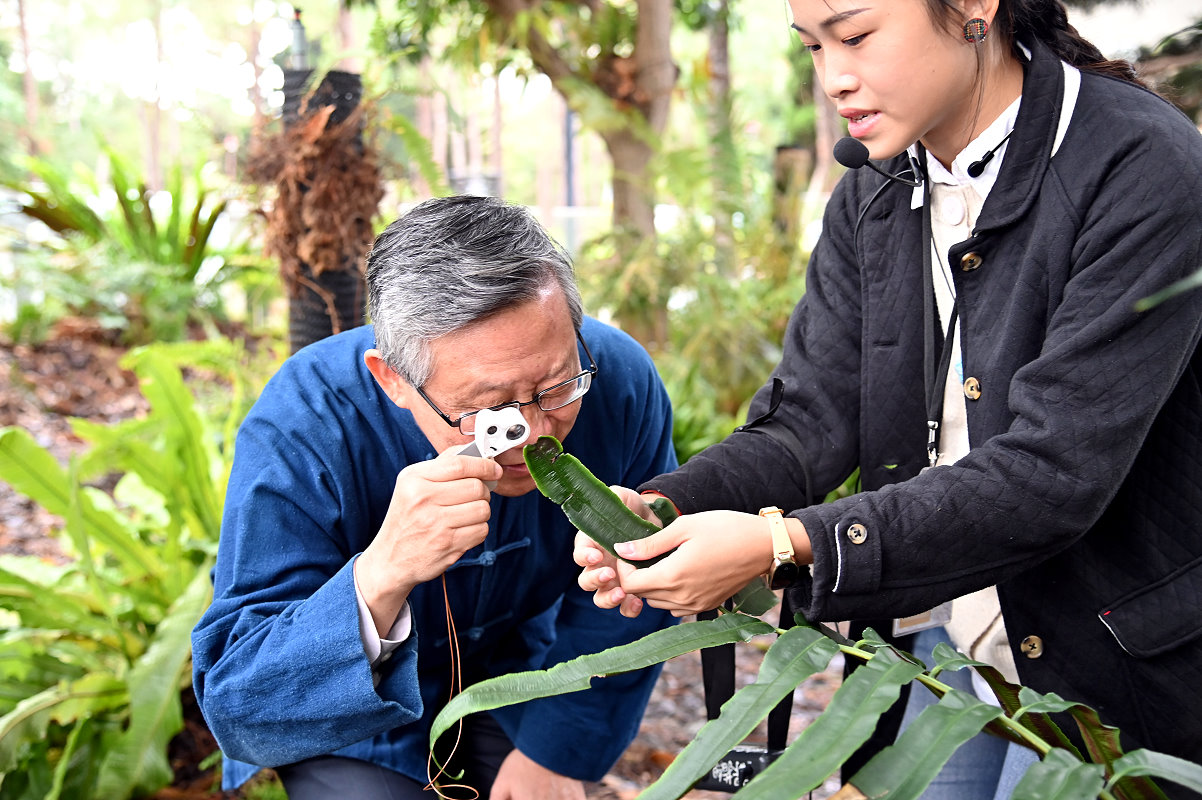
[63, 704]
[69, 611]
[798, 654]
[849, 719]
[577, 674]
[33, 472]
[78, 732]
[420, 153]
[137, 763]
[904, 769]
[1102, 742]
[1007, 695]
[199, 239]
[1158, 765]
[131, 232]
[164, 388]
[172, 247]
[1060, 776]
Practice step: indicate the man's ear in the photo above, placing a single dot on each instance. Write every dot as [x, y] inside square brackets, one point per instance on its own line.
[397, 388]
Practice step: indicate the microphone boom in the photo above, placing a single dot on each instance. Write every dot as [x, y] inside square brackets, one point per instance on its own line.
[852, 154]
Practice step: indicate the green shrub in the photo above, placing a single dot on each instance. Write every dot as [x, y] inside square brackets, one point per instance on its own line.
[144, 270]
[96, 651]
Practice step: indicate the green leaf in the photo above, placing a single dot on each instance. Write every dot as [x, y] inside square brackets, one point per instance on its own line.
[849, 719]
[189, 440]
[35, 473]
[904, 769]
[1147, 763]
[1007, 695]
[78, 732]
[137, 763]
[1186, 284]
[69, 611]
[577, 674]
[1060, 776]
[871, 640]
[796, 655]
[1102, 741]
[755, 598]
[63, 704]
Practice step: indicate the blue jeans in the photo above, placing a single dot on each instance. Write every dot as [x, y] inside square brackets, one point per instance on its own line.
[985, 767]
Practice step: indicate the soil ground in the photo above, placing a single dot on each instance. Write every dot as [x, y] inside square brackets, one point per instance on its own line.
[77, 374]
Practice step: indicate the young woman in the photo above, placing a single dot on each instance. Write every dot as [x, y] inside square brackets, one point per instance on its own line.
[970, 338]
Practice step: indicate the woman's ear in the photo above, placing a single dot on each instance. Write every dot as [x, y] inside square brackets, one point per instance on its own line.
[397, 388]
[981, 9]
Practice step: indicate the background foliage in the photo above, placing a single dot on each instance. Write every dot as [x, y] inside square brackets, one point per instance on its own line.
[127, 210]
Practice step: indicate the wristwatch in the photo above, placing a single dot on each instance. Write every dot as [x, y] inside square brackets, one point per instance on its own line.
[784, 570]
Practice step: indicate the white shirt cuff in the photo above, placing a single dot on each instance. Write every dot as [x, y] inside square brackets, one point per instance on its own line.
[379, 650]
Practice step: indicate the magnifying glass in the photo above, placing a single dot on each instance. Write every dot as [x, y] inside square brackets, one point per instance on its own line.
[497, 430]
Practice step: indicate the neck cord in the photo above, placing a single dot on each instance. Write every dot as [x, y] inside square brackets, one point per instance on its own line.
[934, 372]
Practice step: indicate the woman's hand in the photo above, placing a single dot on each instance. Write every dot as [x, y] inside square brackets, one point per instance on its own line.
[717, 553]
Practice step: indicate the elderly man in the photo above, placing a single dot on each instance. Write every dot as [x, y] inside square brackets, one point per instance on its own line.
[355, 528]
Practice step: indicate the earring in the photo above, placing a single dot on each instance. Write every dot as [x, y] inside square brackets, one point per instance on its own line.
[975, 30]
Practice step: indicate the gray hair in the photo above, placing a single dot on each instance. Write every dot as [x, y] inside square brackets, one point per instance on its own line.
[453, 261]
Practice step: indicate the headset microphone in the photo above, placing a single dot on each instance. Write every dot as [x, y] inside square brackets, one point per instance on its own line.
[852, 154]
[977, 167]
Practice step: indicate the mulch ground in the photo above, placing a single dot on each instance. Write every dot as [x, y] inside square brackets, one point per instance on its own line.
[77, 374]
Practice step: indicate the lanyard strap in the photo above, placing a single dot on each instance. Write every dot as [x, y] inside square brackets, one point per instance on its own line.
[935, 365]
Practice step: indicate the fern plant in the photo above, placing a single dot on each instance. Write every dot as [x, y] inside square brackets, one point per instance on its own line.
[95, 652]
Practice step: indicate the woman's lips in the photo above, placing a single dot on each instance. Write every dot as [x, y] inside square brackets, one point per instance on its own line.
[859, 123]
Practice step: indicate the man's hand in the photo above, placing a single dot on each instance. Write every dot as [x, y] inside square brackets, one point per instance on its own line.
[439, 510]
[522, 779]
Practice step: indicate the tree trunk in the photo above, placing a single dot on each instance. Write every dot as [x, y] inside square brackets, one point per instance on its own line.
[323, 302]
[255, 92]
[827, 130]
[640, 83]
[346, 40]
[790, 168]
[640, 313]
[30, 85]
[723, 154]
[154, 110]
[654, 76]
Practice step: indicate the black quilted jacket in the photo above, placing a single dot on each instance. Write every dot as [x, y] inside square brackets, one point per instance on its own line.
[1082, 495]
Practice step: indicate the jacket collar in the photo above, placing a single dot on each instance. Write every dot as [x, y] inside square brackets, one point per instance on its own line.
[1032, 145]
[1049, 96]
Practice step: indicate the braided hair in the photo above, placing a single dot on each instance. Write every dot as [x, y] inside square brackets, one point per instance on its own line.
[1047, 21]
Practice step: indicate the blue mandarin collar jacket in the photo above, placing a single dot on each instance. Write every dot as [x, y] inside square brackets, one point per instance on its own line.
[279, 666]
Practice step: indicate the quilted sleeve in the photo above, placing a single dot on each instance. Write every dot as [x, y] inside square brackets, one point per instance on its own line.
[820, 368]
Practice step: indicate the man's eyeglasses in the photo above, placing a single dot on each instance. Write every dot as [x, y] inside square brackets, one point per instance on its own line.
[561, 394]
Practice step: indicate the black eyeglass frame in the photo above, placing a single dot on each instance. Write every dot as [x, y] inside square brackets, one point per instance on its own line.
[590, 371]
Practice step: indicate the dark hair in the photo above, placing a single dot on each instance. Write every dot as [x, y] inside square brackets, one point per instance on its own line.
[1047, 21]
